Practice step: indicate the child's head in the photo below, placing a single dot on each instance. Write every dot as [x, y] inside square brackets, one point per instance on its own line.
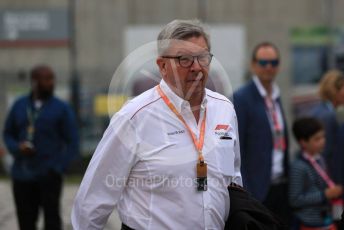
[309, 133]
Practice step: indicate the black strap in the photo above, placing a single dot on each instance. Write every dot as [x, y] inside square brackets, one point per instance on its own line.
[126, 227]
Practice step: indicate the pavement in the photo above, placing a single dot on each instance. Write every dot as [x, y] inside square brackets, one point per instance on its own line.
[8, 219]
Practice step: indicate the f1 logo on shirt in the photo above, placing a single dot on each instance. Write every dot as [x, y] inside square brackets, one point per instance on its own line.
[222, 130]
[222, 127]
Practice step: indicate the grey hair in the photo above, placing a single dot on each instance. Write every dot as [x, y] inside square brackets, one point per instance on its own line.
[181, 30]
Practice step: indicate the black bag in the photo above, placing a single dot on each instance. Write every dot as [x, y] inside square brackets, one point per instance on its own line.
[341, 223]
[247, 213]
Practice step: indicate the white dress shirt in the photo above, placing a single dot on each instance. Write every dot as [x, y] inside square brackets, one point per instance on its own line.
[277, 155]
[145, 166]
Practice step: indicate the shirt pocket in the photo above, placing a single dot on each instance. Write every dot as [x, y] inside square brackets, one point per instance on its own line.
[225, 156]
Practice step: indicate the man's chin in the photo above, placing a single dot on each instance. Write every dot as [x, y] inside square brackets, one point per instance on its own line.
[45, 95]
[199, 89]
[196, 83]
[269, 78]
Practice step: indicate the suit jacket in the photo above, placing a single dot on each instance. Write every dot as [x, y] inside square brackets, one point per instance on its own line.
[256, 144]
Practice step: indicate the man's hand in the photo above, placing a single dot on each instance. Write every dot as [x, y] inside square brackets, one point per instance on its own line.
[334, 192]
[26, 148]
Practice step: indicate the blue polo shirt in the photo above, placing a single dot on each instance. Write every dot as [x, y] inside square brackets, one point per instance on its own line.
[55, 137]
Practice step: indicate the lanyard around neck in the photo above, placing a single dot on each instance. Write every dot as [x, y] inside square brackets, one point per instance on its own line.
[272, 110]
[278, 134]
[32, 114]
[198, 143]
[319, 170]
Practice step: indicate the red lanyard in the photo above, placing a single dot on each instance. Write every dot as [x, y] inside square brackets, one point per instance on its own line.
[198, 143]
[273, 114]
[278, 135]
[319, 170]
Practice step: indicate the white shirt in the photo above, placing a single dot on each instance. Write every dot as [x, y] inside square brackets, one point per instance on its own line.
[277, 155]
[145, 166]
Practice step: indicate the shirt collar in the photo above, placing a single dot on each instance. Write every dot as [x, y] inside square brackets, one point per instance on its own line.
[275, 89]
[177, 101]
[315, 157]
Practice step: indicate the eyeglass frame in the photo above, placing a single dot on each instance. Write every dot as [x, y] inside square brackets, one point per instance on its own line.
[193, 60]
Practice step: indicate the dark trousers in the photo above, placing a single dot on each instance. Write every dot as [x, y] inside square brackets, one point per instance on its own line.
[30, 197]
[277, 202]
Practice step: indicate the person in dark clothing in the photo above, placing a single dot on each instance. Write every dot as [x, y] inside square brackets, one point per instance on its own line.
[263, 132]
[41, 134]
[331, 91]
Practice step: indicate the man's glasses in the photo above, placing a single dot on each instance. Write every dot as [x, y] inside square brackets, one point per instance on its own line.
[187, 60]
[264, 62]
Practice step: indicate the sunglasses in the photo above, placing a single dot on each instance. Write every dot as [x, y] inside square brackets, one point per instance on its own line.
[264, 62]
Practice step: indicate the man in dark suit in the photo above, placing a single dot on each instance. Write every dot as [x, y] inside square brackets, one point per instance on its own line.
[263, 132]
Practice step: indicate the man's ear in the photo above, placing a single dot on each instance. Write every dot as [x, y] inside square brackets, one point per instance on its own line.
[161, 62]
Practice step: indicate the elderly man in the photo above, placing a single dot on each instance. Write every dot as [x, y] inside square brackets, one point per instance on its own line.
[168, 155]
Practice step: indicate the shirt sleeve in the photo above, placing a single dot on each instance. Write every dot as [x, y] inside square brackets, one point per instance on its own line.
[106, 176]
[11, 133]
[237, 160]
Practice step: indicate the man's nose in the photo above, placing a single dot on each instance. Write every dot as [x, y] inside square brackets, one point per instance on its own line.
[195, 65]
